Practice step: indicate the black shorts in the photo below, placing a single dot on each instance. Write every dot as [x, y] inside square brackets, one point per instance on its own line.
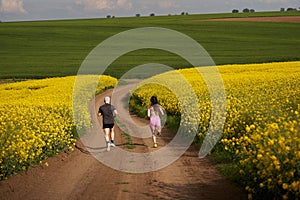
[108, 125]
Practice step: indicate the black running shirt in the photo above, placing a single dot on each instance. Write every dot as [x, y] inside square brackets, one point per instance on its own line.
[107, 112]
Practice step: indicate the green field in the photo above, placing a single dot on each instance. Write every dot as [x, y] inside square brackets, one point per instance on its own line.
[57, 48]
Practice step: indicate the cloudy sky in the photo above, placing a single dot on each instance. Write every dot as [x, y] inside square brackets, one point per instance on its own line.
[19, 10]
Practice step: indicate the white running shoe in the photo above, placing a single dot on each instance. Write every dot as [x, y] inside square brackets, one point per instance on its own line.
[108, 146]
[112, 144]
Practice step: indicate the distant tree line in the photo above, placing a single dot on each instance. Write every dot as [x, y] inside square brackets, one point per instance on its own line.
[247, 10]
[139, 15]
[288, 9]
[153, 14]
[109, 16]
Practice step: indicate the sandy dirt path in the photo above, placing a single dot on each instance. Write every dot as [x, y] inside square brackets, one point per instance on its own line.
[78, 175]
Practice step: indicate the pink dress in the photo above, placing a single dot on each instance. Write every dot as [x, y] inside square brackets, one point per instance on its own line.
[155, 122]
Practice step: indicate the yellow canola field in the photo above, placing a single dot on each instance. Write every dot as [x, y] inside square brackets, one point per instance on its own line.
[261, 133]
[36, 121]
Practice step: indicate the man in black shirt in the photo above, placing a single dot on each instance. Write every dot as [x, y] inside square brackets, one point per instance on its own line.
[108, 113]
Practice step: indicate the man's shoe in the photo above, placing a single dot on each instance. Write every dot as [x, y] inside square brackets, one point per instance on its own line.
[112, 144]
[108, 147]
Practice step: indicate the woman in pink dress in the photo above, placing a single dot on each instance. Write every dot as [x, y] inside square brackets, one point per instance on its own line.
[154, 113]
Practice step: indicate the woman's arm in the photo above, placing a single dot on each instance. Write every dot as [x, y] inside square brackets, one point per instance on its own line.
[161, 110]
[148, 112]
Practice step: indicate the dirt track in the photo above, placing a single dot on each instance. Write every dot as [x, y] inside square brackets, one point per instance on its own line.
[78, 175]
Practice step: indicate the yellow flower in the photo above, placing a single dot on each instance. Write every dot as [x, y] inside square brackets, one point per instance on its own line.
[248, 128]
[269, 180]
[285, 186]
[295, 185]
[250, 196]
[285, 197]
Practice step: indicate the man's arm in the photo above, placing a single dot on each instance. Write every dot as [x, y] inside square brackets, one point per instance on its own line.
[99, 112]
[116, 112]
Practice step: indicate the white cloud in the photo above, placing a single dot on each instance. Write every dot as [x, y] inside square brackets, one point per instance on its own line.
[124, 4]
[92, 5]
[167, 4]
[12, 6]
[273, 1]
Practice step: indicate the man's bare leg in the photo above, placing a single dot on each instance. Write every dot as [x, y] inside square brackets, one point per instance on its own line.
[106, 132]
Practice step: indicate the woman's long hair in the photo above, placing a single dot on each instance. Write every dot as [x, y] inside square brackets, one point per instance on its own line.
[153, 100]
